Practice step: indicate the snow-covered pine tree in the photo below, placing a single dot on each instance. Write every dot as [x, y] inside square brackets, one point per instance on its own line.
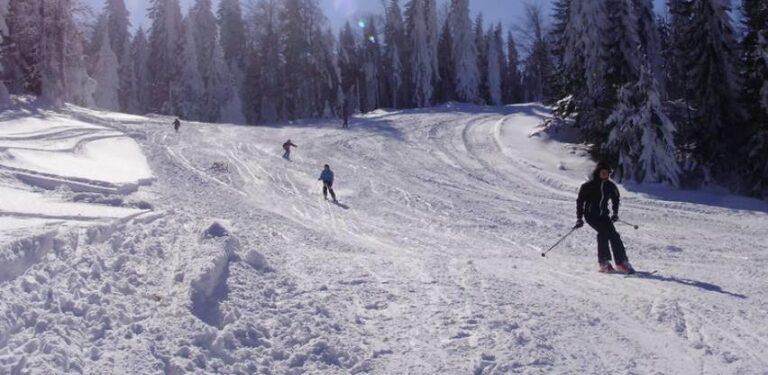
[650, 42]
[210, 60]
[323, 75]
[4, 98]
[433, 38]
[188, 90]
[301, 24]
[225, 90]
[464, 52]
[232, 33]
[261, 91]
[139, 101]
[371, 61]
[559, 81]
[329, 86]
[642, 136]
[165, 55]
[349, 69]
[482, 60]
[233, 43]
[495, 54]
[420, 61]
[106, 75]
[118, 24]
[709, 55]
[22, 64]
[755, 94]
[585, 67]
[673, 36]
[512, 81]
[538, 66]
[446, 88]
[44, 53]
[394, 40]
[498, 35]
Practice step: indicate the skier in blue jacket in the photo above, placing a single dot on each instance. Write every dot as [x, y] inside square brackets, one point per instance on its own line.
[327, 178]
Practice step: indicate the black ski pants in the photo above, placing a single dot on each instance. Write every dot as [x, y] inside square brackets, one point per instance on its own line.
[328, 186]
[606, 233]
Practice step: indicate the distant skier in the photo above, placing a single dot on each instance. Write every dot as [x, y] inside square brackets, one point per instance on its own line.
[592, 204]
[327, 178]
[287, 147]
[176, 125]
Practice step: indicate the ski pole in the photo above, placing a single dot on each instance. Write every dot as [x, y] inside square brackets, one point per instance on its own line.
[544, 254]
[630, 224]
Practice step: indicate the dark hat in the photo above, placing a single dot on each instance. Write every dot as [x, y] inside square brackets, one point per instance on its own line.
[599, 167]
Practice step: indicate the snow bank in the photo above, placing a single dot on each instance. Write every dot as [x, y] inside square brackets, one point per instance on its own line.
[42, 149]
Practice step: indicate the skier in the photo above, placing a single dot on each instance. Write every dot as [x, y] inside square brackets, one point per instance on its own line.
[592, 205]
[176, 124]
[287, 147]
[327, 178]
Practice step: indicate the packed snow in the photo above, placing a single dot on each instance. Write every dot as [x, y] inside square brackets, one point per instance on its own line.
[129, 248]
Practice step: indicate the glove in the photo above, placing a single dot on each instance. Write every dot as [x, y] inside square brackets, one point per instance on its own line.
[615, 218]
[579, 223]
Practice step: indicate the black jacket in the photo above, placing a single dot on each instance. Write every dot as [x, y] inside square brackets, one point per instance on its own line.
[594, 196]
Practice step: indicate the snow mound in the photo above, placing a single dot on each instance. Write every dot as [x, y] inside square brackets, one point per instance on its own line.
[59, 171]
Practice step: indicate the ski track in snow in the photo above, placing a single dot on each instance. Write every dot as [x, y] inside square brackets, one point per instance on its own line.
[240, 267]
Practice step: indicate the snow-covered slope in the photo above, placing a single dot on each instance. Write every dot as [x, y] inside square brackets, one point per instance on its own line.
[434, 267]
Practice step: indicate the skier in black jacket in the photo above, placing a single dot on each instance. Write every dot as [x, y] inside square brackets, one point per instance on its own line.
[592, 205]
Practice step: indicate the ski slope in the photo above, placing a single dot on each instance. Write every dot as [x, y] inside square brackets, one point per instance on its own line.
[224, 258]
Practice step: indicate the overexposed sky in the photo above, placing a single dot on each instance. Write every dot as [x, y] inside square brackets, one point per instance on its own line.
[338, 11]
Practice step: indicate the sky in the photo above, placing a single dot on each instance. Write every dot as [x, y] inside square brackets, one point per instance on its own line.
[508, 12]
[339, 11]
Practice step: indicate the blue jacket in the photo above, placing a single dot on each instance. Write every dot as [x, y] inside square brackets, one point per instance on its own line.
[326, 176]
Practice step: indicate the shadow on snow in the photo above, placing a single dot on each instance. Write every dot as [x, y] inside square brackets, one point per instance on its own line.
[688, 282]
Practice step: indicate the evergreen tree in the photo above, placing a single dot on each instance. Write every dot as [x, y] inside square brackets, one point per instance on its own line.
[3, 33]
[433, 38]
[642, 136]
[465, 62]
[301, 24]
[233, 44]
[538, 66]
[232, 30]
[262, 99]
[709, 58]
[188, 90]
[46, 49]
[139, 99]
[211, 67]
[394, 39]
[117, 25]
[560, 83]
[482, 60]
[755, 95]
[349, 69]
[165, 54]
[107, 77]
[446, 90]
[371, 60]
[513, 91]
[494, 67]
[420, 62]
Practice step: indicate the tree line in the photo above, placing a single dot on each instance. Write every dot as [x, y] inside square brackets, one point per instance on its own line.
[680, 99]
